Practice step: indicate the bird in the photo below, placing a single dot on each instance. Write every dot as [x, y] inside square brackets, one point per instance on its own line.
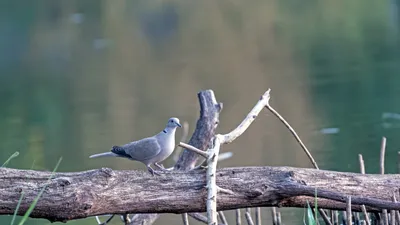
[150, 150]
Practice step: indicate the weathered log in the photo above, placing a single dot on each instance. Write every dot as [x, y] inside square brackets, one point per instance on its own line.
[105, 191]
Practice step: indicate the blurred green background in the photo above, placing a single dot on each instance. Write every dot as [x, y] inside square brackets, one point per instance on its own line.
[77, 77]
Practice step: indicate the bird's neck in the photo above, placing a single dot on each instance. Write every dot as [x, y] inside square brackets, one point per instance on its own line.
[169, 130]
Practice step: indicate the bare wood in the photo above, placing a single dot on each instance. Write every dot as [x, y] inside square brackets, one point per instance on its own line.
[200, 217]
[213, 154]
[396, 211]
[231, 136]
[382, 156]
[104, 191]
[325, 218]
[204, 132]
[238, 217]
[303, 146]
[385, 217]
[222, 217]
[348, 211]
[258, 216]
[194, 149]
[274, 216]
[279, 218]
[336, 217]
[362, 170]
[205, 129]
[366, 217]
[212, 181]
[185, 219]
[248, 217]
[362, 165]
[392, 217]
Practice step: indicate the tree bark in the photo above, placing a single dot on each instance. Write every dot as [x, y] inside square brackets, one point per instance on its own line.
[78, 195]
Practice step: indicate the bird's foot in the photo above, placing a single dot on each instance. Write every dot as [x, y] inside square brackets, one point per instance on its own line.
[161, 167]
[152, 171]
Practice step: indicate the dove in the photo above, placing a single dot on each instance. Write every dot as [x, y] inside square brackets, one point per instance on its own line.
[150, 150]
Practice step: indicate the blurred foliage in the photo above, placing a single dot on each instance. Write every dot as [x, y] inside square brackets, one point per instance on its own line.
[77, 77]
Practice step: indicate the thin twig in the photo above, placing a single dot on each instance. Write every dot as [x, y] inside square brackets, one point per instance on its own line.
[332, 217]
[238, 217]
[385, 217]
[392, 217]
[248, 217]
[382, 156]
[185, 133]
[270, 108]
[325, 217]
[362, 170]
[366, 216]
[105, 222]
[231, 136]
[279, 220]
[274, 216]
[337, 217]
[222, 217]
[194, 149]
[293, 133]
[348, 211]
[362, 165]
[125, 218]
[185, 219]
[200, 217]
[258, 216]
[396, 211]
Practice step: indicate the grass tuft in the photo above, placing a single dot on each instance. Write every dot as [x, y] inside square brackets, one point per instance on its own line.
[32, 206]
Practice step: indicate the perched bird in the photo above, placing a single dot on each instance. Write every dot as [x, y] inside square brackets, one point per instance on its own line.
[151, 150]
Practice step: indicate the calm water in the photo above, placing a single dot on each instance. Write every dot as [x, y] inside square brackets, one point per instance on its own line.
[77, 77]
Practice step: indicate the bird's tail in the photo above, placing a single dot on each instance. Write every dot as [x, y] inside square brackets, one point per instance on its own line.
[105, 154]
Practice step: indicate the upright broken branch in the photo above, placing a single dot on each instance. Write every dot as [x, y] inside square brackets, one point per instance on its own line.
[214, 152]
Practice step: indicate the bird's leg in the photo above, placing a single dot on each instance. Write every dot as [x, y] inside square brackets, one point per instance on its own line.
[161, 167]
[152, 171]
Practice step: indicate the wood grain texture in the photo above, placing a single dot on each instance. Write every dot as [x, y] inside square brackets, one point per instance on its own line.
[105, 191]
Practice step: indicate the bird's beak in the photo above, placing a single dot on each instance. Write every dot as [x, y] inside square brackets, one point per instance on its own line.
[178, 124]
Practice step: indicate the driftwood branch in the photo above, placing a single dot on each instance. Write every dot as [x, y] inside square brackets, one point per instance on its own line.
[97, 192]
[213, 154]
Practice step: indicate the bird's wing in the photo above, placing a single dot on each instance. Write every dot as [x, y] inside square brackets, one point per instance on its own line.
[144, 149]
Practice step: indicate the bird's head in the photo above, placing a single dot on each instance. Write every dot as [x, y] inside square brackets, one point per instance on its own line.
[173, 123]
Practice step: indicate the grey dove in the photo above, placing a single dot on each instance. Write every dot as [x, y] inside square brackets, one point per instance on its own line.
[150, 150]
